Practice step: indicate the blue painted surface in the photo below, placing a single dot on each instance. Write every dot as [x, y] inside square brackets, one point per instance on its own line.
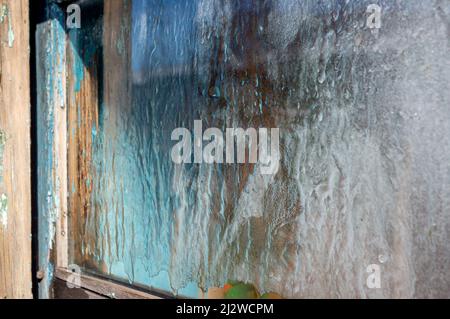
[50, 48]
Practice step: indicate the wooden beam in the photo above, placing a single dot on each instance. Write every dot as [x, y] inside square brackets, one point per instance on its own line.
[15, 181]
[103, 287]
[83, 104]
[60, 170]
[62, 291]
[52, 150]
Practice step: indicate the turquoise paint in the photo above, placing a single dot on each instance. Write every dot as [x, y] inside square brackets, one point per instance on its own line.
[50, 51]
[77, 67]
[83, 46]
[94, 133]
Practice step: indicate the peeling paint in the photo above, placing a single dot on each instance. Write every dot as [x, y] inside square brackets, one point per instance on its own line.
[4, 210]
[3, 197]
[50, 50]
[4, 14]
[2, 148]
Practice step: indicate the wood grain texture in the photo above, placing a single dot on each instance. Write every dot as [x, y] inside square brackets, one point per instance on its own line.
[15, 229]
[51, 149]
[105, 288]
[83, 104]
[61, 291]
[60, 171]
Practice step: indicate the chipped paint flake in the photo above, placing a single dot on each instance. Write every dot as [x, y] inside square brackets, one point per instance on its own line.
[3, 197]
[4, 210]
[10, 36]
[5, 15]
[2, 149]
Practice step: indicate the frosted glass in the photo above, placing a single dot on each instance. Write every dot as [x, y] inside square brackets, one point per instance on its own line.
[364, 173]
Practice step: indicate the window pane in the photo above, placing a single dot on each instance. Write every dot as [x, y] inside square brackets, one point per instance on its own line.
[352, 184]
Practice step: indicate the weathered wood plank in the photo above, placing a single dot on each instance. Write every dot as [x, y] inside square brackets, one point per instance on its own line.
[15, 185]
[83, 104]
[62, 291]
[52, 158]
[60, 149]
[104, 287]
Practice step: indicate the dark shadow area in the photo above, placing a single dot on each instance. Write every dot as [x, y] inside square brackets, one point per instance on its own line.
[37, 16]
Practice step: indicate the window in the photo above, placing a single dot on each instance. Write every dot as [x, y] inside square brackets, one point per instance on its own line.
[143, 80]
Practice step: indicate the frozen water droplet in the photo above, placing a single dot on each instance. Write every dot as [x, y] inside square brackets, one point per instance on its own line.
[347, 94]
[382, 259]
[322, 77]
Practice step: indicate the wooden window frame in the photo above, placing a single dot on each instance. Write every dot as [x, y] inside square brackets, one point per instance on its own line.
[103, 287]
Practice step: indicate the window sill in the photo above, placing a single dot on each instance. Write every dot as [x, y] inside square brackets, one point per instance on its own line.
[104, 287]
